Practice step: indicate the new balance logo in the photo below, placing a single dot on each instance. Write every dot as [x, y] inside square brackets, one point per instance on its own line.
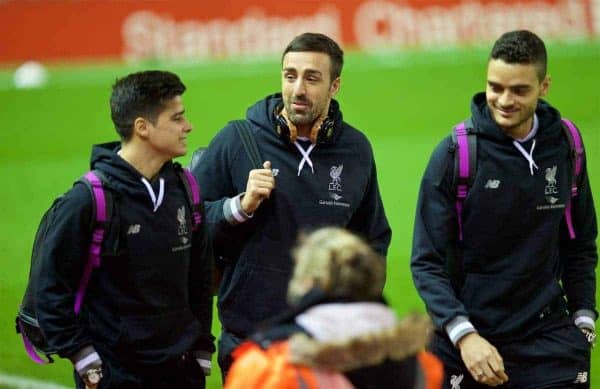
[133, 229]
[492, 184]
[582, 377]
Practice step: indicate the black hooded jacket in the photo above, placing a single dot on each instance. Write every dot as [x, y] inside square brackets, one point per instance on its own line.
[342, 191]
[516, 265]
[150, 300]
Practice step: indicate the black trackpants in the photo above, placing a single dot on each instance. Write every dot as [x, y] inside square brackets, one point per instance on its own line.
[184, 373]
[559, 358]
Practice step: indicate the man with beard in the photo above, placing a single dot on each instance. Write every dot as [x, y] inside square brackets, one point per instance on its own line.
[509, 279]
[318, 170]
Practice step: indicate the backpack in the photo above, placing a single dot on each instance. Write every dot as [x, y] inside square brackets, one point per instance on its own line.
[244, 130]
[465, 166]
[27, 324]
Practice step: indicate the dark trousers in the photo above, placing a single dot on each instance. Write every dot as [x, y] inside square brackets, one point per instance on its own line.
[227, 343]
[559, 358]
[183, 373]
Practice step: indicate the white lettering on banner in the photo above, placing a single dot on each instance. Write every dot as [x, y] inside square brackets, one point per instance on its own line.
[595, 17]
[381, 24]
[150, 35]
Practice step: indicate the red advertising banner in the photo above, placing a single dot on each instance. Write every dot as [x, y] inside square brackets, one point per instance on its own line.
[205, 30]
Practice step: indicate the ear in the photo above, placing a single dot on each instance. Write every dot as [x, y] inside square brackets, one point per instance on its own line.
[335, 87]
[545, 85]
[141, 127]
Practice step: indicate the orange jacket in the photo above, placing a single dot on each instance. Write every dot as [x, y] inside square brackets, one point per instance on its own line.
[255, 368]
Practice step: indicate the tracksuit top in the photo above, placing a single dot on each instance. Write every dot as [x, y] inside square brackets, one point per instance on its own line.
[336, 185]
[516, 271]
[150, 301]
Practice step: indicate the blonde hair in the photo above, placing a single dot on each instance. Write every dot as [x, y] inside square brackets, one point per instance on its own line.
[339, 263]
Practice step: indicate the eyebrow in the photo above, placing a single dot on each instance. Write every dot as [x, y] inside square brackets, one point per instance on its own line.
[492, 83]
[309, 71]
[178, 113]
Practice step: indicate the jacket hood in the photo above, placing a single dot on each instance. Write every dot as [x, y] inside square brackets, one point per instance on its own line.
[549, 120]
[375, 334]
[123, 176]
[264, 114]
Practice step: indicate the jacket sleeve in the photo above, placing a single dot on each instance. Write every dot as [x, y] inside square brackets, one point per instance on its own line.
[200, 286]
[63, 255]
[369, 220]
[222, 162]
[580, 256]
[435, 236]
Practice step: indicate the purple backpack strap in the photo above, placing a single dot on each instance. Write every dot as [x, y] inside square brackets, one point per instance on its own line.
[193, 191]
[97, 237]
[462, 172]
[30, 348]
[577, 155]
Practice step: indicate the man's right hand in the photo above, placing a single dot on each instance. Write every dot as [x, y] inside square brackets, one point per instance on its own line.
[482, 360]
[260, 184]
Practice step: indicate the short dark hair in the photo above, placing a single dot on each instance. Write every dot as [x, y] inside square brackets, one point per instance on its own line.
[320, 43]
[522, 47]
[141, 94]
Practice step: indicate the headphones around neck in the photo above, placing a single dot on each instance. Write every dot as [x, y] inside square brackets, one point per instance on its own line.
[324, 135]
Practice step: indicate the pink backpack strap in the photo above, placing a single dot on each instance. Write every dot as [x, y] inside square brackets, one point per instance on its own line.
[97, 237]
[577, 154]
[465, 163]
[193, 192]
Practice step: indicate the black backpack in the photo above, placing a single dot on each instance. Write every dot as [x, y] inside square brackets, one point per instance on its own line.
[465, 165]
[244, 130]
[26, 321]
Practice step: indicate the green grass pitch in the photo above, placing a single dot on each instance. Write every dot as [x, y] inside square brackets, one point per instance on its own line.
[404, 102]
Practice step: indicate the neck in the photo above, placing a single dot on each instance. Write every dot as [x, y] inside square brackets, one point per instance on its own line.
[521, 131]
[146, 163]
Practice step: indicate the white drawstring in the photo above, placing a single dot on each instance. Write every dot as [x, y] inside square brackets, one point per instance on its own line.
[161, 192]
[528, 156]
[305, 157]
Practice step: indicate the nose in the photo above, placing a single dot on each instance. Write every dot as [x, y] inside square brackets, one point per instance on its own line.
[299, 87]
[505, 99]
[188, 127]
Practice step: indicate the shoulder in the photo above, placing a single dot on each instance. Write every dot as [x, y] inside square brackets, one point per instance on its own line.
[356, 140]
[76, 204]
[441, 160]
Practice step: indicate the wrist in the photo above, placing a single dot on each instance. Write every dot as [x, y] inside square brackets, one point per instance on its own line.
[234, 212]
[590, 335]
[92, 376]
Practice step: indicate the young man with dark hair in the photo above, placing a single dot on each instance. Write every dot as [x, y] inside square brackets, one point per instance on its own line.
[509, 280]
[325, 174]
[146, 318]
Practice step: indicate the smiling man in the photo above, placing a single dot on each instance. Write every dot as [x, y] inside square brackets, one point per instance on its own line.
[509, 279]
[318, 170]
[146, 318]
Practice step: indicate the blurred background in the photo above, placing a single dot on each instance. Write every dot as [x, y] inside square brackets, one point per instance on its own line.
[411, 69]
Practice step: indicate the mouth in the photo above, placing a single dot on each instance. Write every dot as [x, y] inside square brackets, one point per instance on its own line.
[300, 105]
[506, 112]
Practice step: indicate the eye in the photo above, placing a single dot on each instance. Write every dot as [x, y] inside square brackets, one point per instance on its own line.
[521, 91]
[495, 88]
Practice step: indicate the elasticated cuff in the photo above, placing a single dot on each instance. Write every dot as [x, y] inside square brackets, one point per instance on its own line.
[232, 209]
[459, 327]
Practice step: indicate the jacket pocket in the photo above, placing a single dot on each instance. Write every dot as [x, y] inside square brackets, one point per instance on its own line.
[159, 332]
[502, 306]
